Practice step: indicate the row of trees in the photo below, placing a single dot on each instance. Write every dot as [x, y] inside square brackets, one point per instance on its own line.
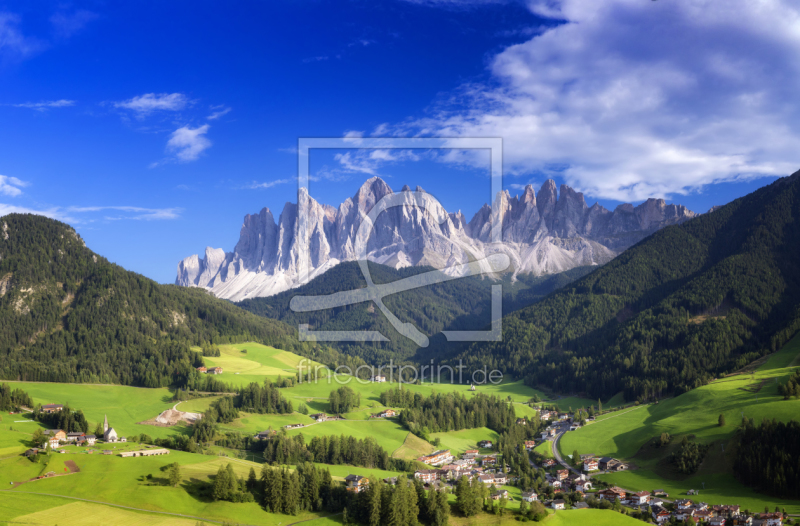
[344, 399]
[13, 399]
[449, 411]
[768, 457]
[264, 398]
[68, 420]
[336, 450]
[791, 389]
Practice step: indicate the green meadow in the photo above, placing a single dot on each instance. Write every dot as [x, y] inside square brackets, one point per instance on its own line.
[459, 441]
[625, 434]
[124, 405]
[243, 363]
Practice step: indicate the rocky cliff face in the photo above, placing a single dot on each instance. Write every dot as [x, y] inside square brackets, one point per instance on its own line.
[542, 233]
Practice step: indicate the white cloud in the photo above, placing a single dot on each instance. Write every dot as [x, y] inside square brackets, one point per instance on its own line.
[46, 104]
[218, 111]
[67, 24]
[369, 161]
[269, 184]
[133, 212]
[187, 143]
[144, 105]
[13, 43]
[11, 186]
[629, 99]
[78, 214]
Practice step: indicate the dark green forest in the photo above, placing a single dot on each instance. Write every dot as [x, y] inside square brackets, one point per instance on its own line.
[681, 307]
[768, 457]
[461, 304]
[69, 315]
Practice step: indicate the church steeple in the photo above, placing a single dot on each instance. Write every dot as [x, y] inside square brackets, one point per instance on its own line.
[105, 424]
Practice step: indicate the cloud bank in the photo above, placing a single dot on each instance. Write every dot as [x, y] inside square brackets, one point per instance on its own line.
[628, 99]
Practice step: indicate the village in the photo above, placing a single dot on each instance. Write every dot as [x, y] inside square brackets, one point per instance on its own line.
[569, 484]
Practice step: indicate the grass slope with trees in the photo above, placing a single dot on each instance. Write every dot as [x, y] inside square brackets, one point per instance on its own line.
[69, 315]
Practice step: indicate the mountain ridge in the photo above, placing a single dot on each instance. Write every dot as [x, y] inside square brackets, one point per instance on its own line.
[542, 234]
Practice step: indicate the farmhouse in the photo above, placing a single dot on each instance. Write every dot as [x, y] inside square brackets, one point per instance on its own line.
[53, 442]
[73, 437]
[530, 444]
[472, 387]
[521, 421]
[590, 465]
[489, 461]
[486, 444]
[202, 369]
[377, 378]
[471, 453]
[562, 474]
[437, 458]
[145, 453]
[293, 426]
[558, 504]
[549, 463]
[31, 452]
[386, 414]
[356, 483]
[499, 494]
[611, 464]
[55, 433]
[264, 435]
[642, 497]
[660, 514]
[214, 370]
[52, 408]
[529, 496]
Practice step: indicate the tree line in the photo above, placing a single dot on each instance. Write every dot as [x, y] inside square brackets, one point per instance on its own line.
[441, 412]
[12, 400]
[768, 457]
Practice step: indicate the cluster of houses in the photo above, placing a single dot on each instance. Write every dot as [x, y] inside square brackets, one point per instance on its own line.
[712, 515]
[437, 458]
[592, 463]
[55, 437]
[210, 370]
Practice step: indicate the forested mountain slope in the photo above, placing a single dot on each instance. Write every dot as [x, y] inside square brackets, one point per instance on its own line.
[68, 315]
[461, 304]
[691, 302]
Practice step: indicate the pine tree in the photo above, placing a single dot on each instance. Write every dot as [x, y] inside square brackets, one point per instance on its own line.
[721, 420]
[442, 509]
[221, 484]
[174, 474]
[374, 502]
[252, 481]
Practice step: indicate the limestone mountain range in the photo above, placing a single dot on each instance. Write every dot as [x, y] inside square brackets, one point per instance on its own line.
[542, 233]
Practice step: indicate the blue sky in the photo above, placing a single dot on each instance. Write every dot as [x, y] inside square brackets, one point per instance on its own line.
[154, 127]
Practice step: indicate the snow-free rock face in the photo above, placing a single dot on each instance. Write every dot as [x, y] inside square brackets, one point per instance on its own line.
[542, 233]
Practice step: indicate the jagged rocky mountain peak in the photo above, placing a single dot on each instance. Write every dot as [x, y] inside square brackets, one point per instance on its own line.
[542, 233]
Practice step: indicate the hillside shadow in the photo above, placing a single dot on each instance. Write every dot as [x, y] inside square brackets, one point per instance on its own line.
[199, 490]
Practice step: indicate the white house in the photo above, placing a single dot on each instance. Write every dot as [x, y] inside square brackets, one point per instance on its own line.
[529, 496]
[378, 378]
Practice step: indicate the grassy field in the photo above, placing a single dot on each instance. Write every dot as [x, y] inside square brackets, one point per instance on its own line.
[243, 363]
[125, 406]
[90, 514]
[413, 447]
[115, 480]
[623, 434]
[593, 517]
[460, 441]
